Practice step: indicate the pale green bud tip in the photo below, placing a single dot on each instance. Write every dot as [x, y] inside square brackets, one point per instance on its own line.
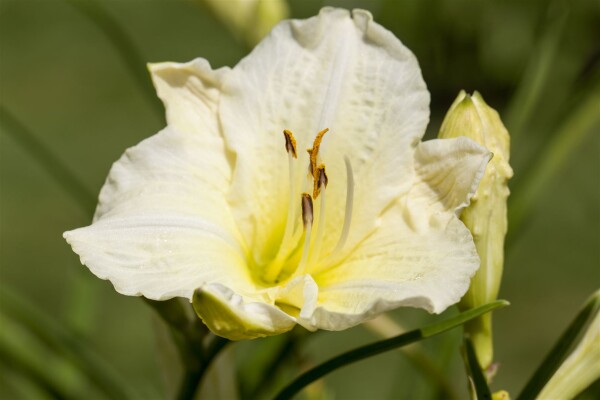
[249, 20]
[501, 395]
[580, 369]
[485, 217]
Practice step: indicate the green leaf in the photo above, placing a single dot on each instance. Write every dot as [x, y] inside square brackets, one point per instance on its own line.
[535, 79]
[561, 349]
[193, 375]
[383, 346]
[584, 121]
[64, 343]
[482, 391]
[24, 354]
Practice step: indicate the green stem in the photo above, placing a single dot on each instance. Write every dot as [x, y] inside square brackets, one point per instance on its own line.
[387, 327]
[560, 350]
[58, 170]
[195, 371]
[123, 45]
[292, 342]
[383, 346]
[563, 144]
[476, 375]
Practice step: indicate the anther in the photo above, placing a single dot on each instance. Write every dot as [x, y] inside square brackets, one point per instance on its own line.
[314, 152]
[307, 210]
[320, 181]
[290, 143]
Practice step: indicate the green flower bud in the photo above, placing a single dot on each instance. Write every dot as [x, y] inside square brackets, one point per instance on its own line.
[580, 369]
[485, 217]
[249, 20]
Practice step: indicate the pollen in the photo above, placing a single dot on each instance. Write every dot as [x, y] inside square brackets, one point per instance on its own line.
[320, 181]
[290, 143]
[314, 152]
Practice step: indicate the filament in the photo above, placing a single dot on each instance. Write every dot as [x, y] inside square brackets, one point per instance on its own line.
[349, 206]
[320, 231]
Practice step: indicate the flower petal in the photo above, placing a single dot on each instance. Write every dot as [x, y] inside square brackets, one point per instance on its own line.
[421, 255]
[448, 174]
[398, 266]
[190, 93]
[339, 71]
[229, 315]
[163, 227]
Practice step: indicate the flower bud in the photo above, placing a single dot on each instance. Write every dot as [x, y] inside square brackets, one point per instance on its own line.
[580, 369]
[249, 20]
[485, 217]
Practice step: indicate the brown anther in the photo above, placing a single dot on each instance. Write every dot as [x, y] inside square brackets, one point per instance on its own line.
[290, 143]
[307, 209]
[320, 181]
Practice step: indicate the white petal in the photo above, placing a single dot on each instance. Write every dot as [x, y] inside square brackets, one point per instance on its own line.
[398, 266]
[163, 226]
[190, 93]
[335, 70]
[421, 255]
[234, 317]
[448, 174]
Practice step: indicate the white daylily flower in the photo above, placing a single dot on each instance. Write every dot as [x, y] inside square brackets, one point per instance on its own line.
[213, 208]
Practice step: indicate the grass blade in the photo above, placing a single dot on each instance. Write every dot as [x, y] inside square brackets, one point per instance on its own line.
[56, 337]
[561, 147]
[373, 349]
[556, 356]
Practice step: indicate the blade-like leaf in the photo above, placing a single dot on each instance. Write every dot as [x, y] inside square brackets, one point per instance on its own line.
[383, 346]
[63, 342]
[560, 351]
[482, 391]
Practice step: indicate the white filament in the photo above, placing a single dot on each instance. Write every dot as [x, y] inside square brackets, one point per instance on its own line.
[349, 206]
[305, 251]
[314, 256]
[288, 236]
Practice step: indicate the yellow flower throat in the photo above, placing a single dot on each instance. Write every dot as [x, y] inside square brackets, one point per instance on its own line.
[289, 250]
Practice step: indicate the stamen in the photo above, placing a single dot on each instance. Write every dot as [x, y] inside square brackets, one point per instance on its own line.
[290, 146]
[322, 184]
[349, 206]
[285, 245]
[314, 152]
[307, 209]
[307, 219]
[319, 181]
[290, 143]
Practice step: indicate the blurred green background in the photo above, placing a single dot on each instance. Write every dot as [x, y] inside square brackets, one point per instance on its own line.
[60, 76]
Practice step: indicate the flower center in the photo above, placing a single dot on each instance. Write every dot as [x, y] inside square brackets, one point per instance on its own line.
[300, 249]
